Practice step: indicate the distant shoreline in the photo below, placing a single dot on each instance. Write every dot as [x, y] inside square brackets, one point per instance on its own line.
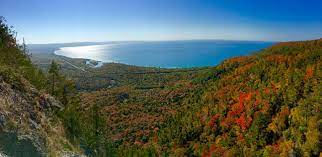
[165, 54]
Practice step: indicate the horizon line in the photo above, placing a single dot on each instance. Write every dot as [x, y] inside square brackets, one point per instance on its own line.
[201, 39]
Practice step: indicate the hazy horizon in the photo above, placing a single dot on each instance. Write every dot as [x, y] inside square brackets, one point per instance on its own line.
[62, 21]
[117, 41]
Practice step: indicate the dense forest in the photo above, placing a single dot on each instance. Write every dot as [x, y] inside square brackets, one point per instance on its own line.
[266, 104]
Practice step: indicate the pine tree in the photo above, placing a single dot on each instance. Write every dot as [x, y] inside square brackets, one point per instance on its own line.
[54, 71]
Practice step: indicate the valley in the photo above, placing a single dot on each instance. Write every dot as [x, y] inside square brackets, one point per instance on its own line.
[267, 103]
[203, 111]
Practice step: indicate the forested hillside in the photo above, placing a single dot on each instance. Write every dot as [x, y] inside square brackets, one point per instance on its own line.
[266, 104]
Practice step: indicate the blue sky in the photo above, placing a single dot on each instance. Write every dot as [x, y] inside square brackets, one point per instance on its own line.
[52, 21]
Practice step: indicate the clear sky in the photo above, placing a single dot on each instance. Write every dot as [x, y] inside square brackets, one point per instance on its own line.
[50, 21]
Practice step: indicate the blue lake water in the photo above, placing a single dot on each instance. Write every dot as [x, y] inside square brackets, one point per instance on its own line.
[166, 54]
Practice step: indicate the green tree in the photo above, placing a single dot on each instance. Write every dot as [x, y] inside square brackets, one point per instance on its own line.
[68, 91]
[54, 71]
[98, 128]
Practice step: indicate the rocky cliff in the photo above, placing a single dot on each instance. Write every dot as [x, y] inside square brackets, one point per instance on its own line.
[28, 125]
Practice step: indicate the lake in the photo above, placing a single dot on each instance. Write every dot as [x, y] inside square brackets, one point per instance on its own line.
[165, 54]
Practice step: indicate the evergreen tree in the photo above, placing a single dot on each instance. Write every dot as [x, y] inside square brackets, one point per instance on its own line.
[54, 71]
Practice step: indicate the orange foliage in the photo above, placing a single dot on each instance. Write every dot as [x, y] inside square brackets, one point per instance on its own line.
[240, 137]
[278, 59]
[243, 122]
[227, 122]
[196, 146]
[155, 139]
[213, 120]
[266, 91]
[276, 148]
[244, 68]
[213, 150]
[236, 109]
[274, 88]
[284, 111]
[238, 59]
[248, 96]
[309, 73]
[256, 103]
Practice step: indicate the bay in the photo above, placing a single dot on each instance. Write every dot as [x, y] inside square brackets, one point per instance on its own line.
[165, 54]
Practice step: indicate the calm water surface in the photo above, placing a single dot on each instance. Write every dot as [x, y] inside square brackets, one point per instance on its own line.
[167, 54]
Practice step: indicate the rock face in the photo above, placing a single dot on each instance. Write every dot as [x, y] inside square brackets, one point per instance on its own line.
[28, 114]
[3, 155]
[71, 154]
[13, 145]
[20, 113]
